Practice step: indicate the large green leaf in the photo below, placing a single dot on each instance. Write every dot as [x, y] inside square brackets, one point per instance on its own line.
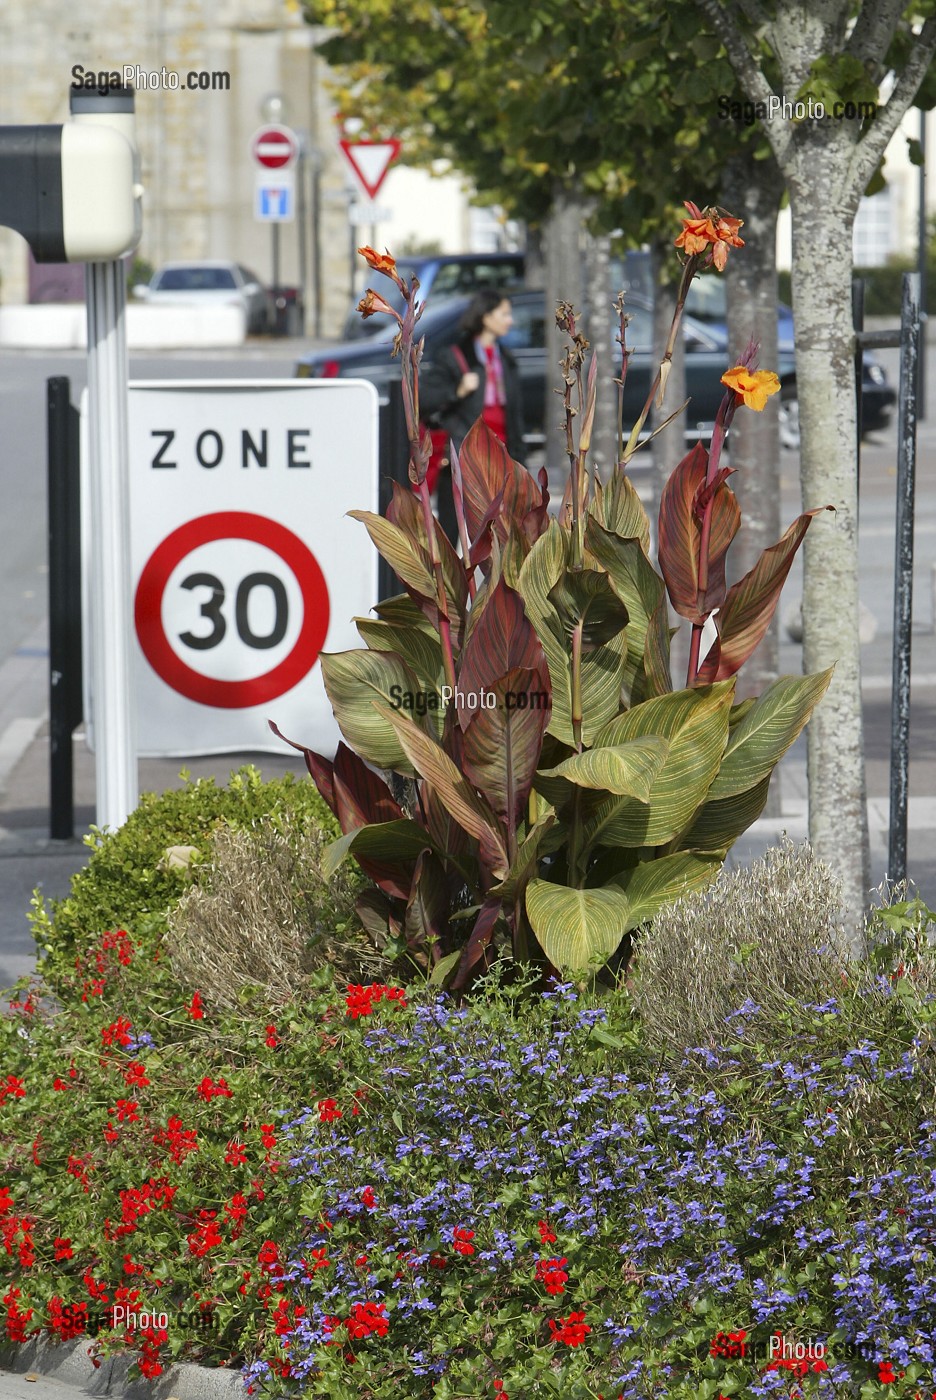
[718, 825]
[644, 595]
[407, 560]
[353, 680]
[696, 724]
[575, 926]
[758, 742]
[628, 770]
[472, 812]
[396, 840]
[401, 611]
[653, 883]
[586, 601]
[421, 650]
[680, 537]
[602, 670]
[619, 509]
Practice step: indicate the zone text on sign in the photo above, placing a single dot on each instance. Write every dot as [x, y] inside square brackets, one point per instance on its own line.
[210, 446]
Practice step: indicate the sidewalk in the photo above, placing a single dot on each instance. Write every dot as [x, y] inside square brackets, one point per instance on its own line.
[30, 860]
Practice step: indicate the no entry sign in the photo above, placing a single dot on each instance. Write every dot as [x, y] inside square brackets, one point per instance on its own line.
[274, 146]
[245, 567]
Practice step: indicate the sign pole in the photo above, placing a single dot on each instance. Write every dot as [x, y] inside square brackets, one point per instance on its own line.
[111, 585]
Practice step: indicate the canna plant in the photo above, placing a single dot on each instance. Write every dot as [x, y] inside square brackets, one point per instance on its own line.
[518, 766]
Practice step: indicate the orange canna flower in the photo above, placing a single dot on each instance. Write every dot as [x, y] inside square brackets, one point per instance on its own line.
[380, 262]
[372, 303]
[709, 226]
[697, 234]
[753, 387]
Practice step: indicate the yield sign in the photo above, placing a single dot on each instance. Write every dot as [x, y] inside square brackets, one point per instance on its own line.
[274, 146]
[370, 161]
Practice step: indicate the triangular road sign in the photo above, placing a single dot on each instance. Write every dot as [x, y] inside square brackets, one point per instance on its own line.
[370, 161]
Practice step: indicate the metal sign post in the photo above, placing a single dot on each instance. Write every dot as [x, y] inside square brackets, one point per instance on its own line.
[117, 786]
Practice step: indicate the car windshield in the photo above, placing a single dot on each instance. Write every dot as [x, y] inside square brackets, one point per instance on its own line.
[196, 279]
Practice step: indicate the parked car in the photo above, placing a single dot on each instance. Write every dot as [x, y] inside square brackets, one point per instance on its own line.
[445, 275]
[224, 283]
[706, 361]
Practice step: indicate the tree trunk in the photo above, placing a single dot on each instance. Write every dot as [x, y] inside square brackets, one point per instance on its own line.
[600, 327]
[563, 283]
[751, 190]
[822, 264]
[670, 447]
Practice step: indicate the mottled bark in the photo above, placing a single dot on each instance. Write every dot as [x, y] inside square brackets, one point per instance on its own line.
[751, 189]
[600, 328]
[564, 282]
[827, 165]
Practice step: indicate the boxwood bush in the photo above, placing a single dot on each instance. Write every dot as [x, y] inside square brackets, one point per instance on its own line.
[129, 883]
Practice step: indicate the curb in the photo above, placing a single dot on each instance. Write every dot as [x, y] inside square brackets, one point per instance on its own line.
[70, 1365]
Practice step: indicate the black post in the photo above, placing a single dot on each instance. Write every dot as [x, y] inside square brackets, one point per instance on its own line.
[64, 542]
[903, 577]
[394, 466]
[858, 291]
[922, 259]
[301, 228]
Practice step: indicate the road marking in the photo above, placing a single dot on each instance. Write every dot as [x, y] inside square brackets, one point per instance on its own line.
[14, 741]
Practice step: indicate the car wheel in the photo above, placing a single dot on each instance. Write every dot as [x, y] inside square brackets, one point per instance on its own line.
[789, 419]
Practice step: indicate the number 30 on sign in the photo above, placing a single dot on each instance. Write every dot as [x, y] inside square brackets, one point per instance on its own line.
[232, 595]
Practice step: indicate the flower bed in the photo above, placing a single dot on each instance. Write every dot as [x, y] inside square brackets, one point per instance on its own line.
[381, 1192]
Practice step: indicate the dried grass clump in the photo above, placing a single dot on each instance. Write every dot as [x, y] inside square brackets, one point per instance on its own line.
[262, 918]
[762, 935]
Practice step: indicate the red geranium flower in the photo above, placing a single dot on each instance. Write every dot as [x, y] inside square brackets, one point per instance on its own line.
[328, 1110]
[368, 1198]
[195, 1008]
[570, 1330]
[236, 1154]
[461, 1240]
[271, 1039]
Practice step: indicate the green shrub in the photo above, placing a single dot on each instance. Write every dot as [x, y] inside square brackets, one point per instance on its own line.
[129, 883]
[262, 916]
[768, 933]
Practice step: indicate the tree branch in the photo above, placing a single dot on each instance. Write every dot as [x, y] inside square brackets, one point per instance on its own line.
[874, 142]
[723, 15]
[874, 29]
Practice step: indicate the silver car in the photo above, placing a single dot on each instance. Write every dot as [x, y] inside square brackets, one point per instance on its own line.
[225, 283]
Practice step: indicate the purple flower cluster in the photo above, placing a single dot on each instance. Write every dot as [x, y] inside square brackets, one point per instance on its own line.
[671, 1196]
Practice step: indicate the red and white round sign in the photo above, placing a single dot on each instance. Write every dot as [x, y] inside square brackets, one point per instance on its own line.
[232, 610]
[274, 146]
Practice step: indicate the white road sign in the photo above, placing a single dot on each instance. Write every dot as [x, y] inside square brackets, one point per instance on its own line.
[275, 197]
[244, 564]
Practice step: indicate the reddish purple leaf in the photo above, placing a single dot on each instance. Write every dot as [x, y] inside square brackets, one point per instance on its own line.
[487, 469]
[362, 797]
[320, 768]
[477, 943]
[503, 742]
[680, 537]
[502, 640]
[750, 603]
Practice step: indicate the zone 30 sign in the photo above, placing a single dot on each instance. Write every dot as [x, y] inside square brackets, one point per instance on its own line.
[244, 564]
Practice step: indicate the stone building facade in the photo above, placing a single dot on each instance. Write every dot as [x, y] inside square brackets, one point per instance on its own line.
[195, 144]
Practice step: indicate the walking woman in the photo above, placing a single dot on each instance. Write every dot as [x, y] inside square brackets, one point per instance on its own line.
[474, 378]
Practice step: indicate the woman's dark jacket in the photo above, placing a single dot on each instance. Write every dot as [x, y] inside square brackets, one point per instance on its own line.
[439, 401]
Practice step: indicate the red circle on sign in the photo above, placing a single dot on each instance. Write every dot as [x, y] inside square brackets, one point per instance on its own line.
[220, 694]
[273, 147]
